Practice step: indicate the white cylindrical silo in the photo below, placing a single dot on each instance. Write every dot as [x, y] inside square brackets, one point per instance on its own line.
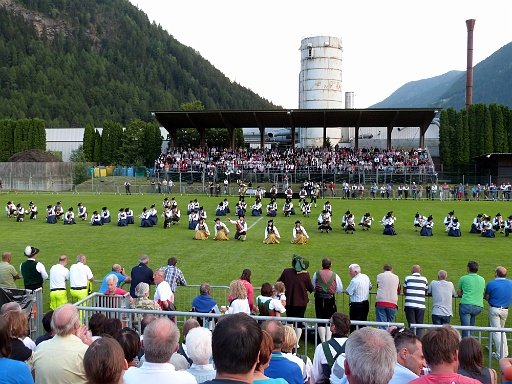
[320, 81]
[350, 100]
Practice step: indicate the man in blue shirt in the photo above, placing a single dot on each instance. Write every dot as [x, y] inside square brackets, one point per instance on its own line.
[204, 303]
[121, 277]
[280, 366]
[498, 294]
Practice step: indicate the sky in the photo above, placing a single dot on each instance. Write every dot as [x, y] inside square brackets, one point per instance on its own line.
[386, 44]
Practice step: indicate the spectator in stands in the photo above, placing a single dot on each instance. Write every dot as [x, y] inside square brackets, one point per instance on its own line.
[370, 357]
[238, 302]
[130, 342]
[471, 362]
[280, 367]
[204, 303]
[327, 353]
[8, 274]
[111, 326]
[112, 289]
[160, 342]
[173, 275]
[236, 342]
[409, 356]
[187, 326]
[442, 292]
[304, 362]
[386, 302]
[67, 347]
[141, 273]
[142, 301]
[471, 287]
[17, 323]
[47, 326]
[245, 279]
[96, 325]
[122, 277]
[415, 288]
[104, 362]
[12, 371]
[441, 349]
[199, 348]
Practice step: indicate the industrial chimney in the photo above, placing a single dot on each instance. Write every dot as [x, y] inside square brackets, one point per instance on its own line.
[469, 70]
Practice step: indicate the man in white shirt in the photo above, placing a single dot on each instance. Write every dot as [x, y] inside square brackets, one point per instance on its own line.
[160, 341]
[79, 277]
[163, 293]
[58, 276]
[358, 290]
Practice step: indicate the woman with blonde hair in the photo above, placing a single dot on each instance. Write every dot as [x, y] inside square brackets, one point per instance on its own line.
[17, 327]
[238, 294]
[304, 362]
[264, 360]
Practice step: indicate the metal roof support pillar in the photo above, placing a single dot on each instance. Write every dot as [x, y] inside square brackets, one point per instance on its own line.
[202, 135]
[388, 137]
[356, 138]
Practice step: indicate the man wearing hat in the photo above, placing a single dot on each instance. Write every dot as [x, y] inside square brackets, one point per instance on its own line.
[20, 212]
[59, 211]
[366, 221]
[241, 227]
[297, 282]
[475, 227]
[96, 218]
[497, 223]
[33, 272]
[51, 218]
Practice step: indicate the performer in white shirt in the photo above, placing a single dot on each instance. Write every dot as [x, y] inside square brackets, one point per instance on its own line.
[202, 231]
[241, 227]
[271, 233]
[69, 216]
[221, 230]
[82, 212]
[300, 236]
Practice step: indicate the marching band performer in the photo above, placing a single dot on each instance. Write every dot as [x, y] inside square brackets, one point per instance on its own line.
[454, 228]
[477, 221]
[306, 209]
[300, 236]
[272, 208]
[202, 231]
[190, 207]
[242, 188]
[193, 220]
[241, 227]
[144, 216]
[486, 227]
[419, 221]
[51, 218]
[226, 206]
[497, 223]
[448, 219]
[202, 213]
[271, 233]
[129, 216]
[273, 191]
[350, 224]
[221, 230]
[288, 208]
[82, 212]
[69, 217]
[328, 207]
[196, 205]
[20, 213]
[258, 194]
[316, 192]
[302, 195]
[508, 226]
[344, 219]
[174, 203]
[96, 218]
[176, 214]
[10, 208]
[289, 193]
[366, 221]
[32, 210]
[426, 229]
[166, 203]
[220, 211]
[105, 215]
[389, 224]
[324, 221]
[243, 205]
[153, 214]
[121, 218]
[167, 215]
[59, 211]
[256, 208]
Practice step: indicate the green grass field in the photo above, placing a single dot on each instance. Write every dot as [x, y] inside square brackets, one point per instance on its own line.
[220, 262]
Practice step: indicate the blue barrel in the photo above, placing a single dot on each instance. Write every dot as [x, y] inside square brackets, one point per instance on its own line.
[129, 172]
[151, 172]
[123, 171]
[116, 171]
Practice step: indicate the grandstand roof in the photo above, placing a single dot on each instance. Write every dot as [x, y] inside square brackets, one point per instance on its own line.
[297, 118]
[304, 118]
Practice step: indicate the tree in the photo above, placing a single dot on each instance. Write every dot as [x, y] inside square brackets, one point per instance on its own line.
[88, 142]
[499, 135]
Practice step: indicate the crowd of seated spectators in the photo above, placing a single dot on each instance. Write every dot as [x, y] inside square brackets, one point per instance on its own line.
[337, 160]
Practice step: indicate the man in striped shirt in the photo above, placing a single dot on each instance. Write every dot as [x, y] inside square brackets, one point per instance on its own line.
[415, 287]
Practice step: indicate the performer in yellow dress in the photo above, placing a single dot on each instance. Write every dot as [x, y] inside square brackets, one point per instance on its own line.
[221, 230]
[300, 236]
[271, 233]
[202, 232]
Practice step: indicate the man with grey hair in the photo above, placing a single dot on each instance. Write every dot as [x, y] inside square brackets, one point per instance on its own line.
[370, 357]
[60, 360]
[204, 303]
[79, 277]
[160, 341]
[122, 277]
[199, 349]
[442, 292]
[358, 290]
[141, 274]
[8, 274]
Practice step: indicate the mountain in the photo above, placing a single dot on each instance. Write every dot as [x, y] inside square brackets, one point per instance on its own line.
[492, 81]
[76, 62]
